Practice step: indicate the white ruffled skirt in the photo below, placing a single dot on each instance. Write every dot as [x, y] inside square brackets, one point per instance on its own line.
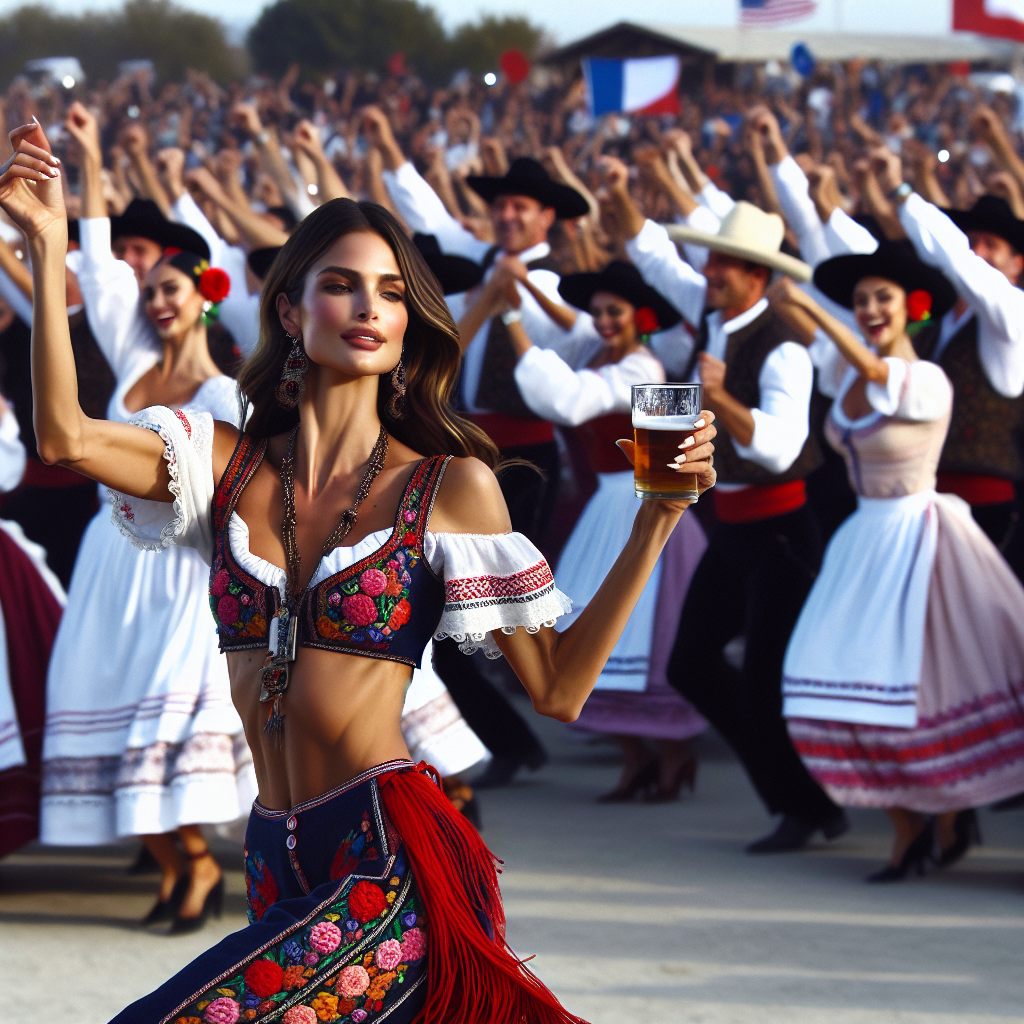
[141, 736]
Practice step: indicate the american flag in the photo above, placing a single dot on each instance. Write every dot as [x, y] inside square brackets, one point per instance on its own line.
[769, 13]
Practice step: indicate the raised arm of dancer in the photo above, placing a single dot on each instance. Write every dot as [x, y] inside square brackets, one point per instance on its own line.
[82, 127]
[307, 138]
[124, 457]
[135, 142]
[559, 670]
[989, 129]
[794, 306]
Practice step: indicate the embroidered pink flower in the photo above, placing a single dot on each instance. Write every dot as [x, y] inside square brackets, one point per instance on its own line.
[359, 1016]
[227, 610]
[409, 516]
[126, 511]
[335, 599]
[311, 959]
[353, 981]
[219, 585]
[414, 945]
[373, 582]
[359, 609]
[222, 1011]
[300, 1015]
[389, 954]
[325, 937]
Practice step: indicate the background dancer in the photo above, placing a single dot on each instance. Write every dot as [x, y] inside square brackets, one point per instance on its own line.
[917, 702]
[347, 302]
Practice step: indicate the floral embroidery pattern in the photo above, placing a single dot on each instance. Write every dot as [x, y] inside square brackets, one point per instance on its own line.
[340, 966]
[237, 609]
[367, 609]
[260, 887]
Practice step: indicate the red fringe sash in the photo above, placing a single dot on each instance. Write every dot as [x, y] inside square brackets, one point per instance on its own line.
[471, 976]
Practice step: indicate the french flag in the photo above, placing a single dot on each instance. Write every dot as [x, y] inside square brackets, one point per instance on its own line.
[636, 85]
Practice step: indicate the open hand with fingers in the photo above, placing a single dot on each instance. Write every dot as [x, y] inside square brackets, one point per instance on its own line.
[30, 190]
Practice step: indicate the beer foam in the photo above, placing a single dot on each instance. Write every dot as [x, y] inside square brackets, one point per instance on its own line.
[647, 422]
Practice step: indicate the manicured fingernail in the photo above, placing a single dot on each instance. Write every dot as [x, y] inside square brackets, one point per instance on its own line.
[699, 424]
[54, 160]
[687, 443]
[671, 465]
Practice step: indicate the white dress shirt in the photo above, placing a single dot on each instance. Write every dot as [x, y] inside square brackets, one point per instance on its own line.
[998, 305]
[12, 453]
[557, 392]
[798, 208]
[423, 211]
[781, 420]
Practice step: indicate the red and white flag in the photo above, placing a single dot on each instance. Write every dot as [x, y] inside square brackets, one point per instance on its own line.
[771, 13]
[1002, 18]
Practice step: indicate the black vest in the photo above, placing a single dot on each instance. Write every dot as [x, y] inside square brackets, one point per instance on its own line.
[497, 390]
[987, 429]
[745, 353]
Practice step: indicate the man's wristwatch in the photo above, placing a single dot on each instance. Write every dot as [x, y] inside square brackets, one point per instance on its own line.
[899, 196]
[512, 316]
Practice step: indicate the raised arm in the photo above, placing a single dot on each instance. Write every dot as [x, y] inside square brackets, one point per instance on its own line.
[559, 670]
[129, 459]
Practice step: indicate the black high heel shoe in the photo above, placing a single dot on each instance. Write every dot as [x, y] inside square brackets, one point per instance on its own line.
[213, 904]
[167, 910]
[967, 831]
[687, 772]
[915, 855]
[644, 780]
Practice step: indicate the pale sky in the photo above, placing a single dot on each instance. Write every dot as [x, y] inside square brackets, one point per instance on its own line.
[571, 19]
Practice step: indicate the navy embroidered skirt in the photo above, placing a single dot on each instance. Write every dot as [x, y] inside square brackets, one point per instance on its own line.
[337, 929]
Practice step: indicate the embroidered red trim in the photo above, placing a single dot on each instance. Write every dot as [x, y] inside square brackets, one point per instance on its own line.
[537, 577]
[185, 423]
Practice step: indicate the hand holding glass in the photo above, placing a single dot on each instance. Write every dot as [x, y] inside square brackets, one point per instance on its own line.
[664, 415]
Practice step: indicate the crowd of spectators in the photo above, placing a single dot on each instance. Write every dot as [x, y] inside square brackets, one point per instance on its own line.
[259, 155]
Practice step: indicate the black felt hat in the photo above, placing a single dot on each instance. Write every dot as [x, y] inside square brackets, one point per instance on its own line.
[896, 262]
[455, 273]
[142, 219]
[993, 215]
[259, 260]
[623, 279]
[527, 177]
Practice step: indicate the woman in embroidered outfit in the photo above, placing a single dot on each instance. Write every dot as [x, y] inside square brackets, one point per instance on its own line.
[904, 677]
[141, 737]
[632, 699]
[369, 896]
[31, 600]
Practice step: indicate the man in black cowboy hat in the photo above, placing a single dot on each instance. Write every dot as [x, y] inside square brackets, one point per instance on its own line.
[765, 548]
[980, 345]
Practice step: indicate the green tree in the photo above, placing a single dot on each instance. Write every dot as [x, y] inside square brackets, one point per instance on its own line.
[478, 45]
[172, 37]
[324, 35]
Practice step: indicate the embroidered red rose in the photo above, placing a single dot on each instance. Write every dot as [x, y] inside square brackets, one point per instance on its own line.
[646, 320]
[366, 901]
[394, 587]
[919, 305]
[373, 582]
[294, 977]
[214, 284]
[227, 610]
[400, 614]
[359, 609]
[219, 586]
[264, 977]
[346, 1006]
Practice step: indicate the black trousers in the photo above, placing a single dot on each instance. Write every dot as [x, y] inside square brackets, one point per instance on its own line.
[530, 497]
[752, 581]
[1001, 524]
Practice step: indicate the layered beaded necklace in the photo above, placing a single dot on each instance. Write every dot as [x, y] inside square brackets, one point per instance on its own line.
[284, 628]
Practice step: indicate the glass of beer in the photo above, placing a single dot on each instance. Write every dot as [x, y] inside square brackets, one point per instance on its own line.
[664, 415]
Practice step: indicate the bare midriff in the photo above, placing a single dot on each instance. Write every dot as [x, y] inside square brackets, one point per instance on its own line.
[342, 715]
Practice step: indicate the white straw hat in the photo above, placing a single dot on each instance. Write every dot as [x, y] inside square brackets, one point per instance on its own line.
[749, 233]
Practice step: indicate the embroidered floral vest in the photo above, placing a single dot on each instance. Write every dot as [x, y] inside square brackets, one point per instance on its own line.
[386, 605]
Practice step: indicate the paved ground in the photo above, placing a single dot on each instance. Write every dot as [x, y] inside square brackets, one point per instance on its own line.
[636, 913]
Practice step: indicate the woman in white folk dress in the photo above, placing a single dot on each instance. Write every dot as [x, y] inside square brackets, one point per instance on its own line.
[904, 677]
[141, 738]
[632, 700]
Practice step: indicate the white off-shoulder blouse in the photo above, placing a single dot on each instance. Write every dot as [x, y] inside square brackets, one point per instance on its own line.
[492, 582]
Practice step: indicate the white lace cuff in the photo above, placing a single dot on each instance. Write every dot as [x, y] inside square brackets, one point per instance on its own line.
[188, 449]
[492, 582]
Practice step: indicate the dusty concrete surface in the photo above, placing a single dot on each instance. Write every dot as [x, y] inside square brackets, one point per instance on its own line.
[635, 913]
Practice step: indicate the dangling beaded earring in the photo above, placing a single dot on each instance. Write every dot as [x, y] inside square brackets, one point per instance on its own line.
[293, 377]
[397, 402]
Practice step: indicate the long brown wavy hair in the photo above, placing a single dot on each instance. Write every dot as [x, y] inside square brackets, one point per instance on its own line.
[431, 351]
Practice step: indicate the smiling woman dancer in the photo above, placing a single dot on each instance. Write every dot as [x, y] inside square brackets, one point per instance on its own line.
[369, 896]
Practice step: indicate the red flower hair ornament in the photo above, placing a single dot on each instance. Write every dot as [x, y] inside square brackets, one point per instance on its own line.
[919, 305]
[214, 285]
[646, 321]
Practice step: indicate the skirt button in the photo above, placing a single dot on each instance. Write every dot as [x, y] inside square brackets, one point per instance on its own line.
[290, 842]
[291, 824]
